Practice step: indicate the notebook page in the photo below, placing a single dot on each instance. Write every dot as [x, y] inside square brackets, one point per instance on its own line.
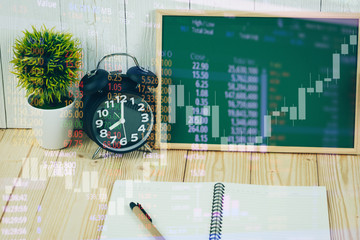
[179, 210]
[255, 212]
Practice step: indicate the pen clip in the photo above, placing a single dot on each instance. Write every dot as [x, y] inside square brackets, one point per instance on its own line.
[143, 210]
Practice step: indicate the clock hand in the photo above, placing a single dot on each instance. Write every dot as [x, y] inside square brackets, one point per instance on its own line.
[122, 119]
[124, 131]
[114, 125]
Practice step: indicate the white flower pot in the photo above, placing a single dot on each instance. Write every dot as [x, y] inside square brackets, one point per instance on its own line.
[53, 127]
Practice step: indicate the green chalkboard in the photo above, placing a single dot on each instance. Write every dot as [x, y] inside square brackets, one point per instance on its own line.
[258, 81]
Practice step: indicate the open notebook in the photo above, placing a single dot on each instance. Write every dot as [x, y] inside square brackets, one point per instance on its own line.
[186, 211]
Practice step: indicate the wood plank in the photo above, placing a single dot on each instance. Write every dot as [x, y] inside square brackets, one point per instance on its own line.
[208, 166]
[26, 196]
[19, 16]
[2, 132]
[56, 192]
[284, 169]
[340, 6]
[83, 203]
[283, 5]
[99, 25]
[14, 147]
[246, 5]
[2, 95]
[259, 148]
[141, 28]
[341, 176]
[12, 141]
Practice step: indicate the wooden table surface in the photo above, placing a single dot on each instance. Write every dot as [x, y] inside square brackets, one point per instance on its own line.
[62, 194]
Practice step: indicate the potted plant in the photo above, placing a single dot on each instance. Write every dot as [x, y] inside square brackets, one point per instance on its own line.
[46, 63]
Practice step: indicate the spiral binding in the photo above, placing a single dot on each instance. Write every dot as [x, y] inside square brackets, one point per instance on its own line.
[217, 211]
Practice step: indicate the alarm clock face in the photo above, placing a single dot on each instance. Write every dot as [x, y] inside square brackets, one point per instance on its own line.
[122, 122]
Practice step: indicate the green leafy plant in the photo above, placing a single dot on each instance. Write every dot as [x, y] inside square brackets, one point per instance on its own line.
[46, 63]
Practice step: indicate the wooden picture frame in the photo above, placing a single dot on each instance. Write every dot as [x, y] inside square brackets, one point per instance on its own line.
[252, 148]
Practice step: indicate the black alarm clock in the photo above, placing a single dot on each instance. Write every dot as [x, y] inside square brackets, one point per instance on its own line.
[116, 115]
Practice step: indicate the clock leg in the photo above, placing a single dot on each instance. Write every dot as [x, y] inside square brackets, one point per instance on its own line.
[148, 148]
[96, 152]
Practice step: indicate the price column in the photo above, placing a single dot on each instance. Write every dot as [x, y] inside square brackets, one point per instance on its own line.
[168, 107]
[198, 123]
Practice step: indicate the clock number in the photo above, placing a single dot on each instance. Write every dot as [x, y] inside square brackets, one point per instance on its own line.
[142, 128]
[132, 100]
[123, 98]
[99, 123]
[108, 103]
[103, 133]
[113, 139]
[145, 117]
[103, 113]
[134, 137]
[141, 108]
[123, 141]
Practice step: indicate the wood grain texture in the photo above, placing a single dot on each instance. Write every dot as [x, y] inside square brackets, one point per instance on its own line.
[244, 5]
[100, 27]
[259, 148]
[284, 169]
[141, 28]
[340, 6]
[68, 211]
[16, 144]
[61, 194]
[103, 31]
[341, 176]
[2, 96]
[283, 5]
[2, 132]
[31, 184]
[73, 206]
[11, 160]
[207, 166]
[56, 192]
[19, 16]
[9, 172]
